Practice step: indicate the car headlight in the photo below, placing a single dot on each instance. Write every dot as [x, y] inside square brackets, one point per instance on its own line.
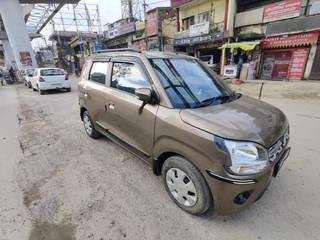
[246, 157]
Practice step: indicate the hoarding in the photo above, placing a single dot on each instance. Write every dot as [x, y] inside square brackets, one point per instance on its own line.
[177, 3]
[282, 10]
[199, 29]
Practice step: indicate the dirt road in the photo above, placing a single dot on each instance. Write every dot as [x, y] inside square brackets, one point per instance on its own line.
[57, 184]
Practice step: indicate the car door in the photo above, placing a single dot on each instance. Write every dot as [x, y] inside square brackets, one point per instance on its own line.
[122, 116]
[92, 90]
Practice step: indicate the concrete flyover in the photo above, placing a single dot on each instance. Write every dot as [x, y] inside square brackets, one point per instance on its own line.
[16, 39]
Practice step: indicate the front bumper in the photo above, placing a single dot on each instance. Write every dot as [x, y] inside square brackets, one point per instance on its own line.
[231, 194]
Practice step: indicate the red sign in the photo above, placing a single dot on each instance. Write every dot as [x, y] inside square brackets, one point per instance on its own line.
[298, 62]
[152, 23]
[291, 40]
[282, 10]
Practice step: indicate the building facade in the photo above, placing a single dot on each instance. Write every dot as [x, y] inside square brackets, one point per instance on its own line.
[288, 35]
[201, 28]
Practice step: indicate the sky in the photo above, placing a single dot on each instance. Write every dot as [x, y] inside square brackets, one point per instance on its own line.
[110, 11]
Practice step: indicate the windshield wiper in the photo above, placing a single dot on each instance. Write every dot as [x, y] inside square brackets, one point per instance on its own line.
[209, 101]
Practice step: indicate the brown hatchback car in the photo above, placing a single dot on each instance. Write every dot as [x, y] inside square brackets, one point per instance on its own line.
[214, 148]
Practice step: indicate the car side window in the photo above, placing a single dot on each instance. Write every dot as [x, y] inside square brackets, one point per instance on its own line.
[98, 72]
[128, 77]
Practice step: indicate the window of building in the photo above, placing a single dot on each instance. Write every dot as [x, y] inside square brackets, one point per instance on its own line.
[98, 72]
[187, 22]
[204, 17]
[128, 77]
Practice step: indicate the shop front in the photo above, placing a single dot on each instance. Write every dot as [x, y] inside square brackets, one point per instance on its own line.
[204, 46]
[285, 57]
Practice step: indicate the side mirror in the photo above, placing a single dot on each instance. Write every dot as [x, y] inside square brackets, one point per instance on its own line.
[144, 94]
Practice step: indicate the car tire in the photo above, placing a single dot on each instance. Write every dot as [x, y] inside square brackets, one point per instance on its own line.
[29, 85]
[89, 127]
[186, 186]
[41, 92]
[68, 89]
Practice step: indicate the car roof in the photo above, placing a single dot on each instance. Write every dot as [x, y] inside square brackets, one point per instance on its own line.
[134, 53]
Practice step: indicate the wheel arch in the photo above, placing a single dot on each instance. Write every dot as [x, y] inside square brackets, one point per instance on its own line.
[82, 110]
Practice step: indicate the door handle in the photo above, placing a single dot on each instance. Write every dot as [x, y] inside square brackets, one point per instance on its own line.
[111, 106]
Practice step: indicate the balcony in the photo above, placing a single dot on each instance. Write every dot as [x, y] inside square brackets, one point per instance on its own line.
[251, 17]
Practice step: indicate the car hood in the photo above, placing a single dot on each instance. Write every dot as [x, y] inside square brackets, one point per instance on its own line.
[245, 119]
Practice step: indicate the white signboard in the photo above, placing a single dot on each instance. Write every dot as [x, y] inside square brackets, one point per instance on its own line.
[199, 29]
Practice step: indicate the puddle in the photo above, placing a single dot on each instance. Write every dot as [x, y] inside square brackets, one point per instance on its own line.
[47, 231]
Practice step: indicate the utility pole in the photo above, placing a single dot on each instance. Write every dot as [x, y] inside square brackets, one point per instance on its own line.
[145, 23]
[130, 10]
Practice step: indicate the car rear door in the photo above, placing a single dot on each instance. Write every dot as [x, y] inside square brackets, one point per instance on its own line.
[122, 117]
[92, 90]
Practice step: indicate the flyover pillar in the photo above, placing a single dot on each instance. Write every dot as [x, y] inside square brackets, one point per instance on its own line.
[20, 43]
[9, 59]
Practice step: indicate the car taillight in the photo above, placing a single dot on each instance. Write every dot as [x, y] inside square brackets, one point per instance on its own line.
[41, 79]
[66, 77]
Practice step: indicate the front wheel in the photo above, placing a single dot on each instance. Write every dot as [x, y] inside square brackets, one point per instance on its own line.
[89, 127]
[186, 186]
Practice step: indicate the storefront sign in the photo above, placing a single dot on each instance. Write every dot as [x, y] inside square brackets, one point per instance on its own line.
[282, 10]
[152, 23]
[113, 33]
[291, 40]
[199, 29]
[298, 62]
[200, 39]
[126, 28]
[140, 25]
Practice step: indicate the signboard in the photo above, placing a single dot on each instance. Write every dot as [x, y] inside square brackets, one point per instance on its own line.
[291, 40]
[282, 10]
[25, 59]
[152, 23]
[113, 33]
[125, 28]
[298, 62]
[139, 25]
[200, 39]
[199, 29]
[315, 8]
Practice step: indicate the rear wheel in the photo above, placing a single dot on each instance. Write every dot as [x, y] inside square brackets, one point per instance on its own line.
[89, 127]
[68, 89]
[41, 92]
[186, 185]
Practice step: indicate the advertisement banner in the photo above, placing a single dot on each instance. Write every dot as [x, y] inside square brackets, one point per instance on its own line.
[25, 59]
[282, 10]
[152, 23]
[125, 28]
[199, 29]
[298, 62]
[290, 40]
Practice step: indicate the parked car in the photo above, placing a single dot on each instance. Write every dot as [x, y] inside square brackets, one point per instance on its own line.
[27, 75]
[49, 79]
[213, 147]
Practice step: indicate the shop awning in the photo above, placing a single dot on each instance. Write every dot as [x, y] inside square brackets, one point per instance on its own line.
[246, 46]
[294, 40]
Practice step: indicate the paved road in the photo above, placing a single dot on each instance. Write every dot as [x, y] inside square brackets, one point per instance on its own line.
[57, 184]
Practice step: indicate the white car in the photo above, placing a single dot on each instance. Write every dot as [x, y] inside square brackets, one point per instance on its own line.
[49, 79]
[28, 74]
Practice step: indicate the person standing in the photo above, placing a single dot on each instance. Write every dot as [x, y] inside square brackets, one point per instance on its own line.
[12, 75]
[1, 77]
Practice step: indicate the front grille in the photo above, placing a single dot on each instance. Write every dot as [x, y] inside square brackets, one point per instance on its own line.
[278, 148]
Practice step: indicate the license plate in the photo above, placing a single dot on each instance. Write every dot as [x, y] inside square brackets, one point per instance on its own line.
[279, 164]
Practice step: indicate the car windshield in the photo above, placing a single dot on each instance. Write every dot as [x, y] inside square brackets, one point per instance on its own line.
[189, 84]
[51, 72]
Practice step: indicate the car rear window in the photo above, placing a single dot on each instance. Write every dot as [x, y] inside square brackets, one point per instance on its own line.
[51, 72]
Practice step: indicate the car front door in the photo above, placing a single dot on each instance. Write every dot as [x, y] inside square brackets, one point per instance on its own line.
[123, 118]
